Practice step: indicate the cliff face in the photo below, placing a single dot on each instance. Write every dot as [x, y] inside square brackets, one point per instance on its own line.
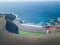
[10, 26]
[10, 17]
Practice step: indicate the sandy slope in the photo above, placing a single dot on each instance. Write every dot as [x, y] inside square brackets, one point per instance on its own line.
[7, 38]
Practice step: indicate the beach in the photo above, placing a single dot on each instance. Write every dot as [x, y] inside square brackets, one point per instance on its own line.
[31, 28]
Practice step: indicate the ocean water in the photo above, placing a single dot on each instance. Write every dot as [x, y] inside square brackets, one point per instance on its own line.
[33, 13]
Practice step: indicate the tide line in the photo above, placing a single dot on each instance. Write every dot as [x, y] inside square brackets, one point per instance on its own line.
[31, 25]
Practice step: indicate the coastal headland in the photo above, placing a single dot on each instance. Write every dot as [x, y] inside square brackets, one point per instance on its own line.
[7, 38]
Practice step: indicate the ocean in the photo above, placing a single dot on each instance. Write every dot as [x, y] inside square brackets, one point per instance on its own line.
[33, 13]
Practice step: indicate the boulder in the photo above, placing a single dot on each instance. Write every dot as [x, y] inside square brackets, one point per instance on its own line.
[11, 27]
[10, 17]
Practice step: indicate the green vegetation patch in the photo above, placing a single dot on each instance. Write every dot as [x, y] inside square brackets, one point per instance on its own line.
[30, 33]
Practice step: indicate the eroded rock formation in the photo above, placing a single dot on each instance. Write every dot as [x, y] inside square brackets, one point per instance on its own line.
[10, 26]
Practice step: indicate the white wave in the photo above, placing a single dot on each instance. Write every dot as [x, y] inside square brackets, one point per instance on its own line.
[16, 16]
[59, 19]
[31, 25]
[39, 24]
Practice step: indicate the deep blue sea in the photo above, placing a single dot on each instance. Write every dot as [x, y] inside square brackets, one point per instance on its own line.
[37, 13]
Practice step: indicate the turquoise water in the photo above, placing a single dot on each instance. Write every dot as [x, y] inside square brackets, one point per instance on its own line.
[36, 13]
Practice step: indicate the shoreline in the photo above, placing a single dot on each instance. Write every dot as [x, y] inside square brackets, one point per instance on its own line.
[31, 28]
[32, 25]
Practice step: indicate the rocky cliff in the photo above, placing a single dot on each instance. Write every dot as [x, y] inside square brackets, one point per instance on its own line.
[10, 17]
[10, 26]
